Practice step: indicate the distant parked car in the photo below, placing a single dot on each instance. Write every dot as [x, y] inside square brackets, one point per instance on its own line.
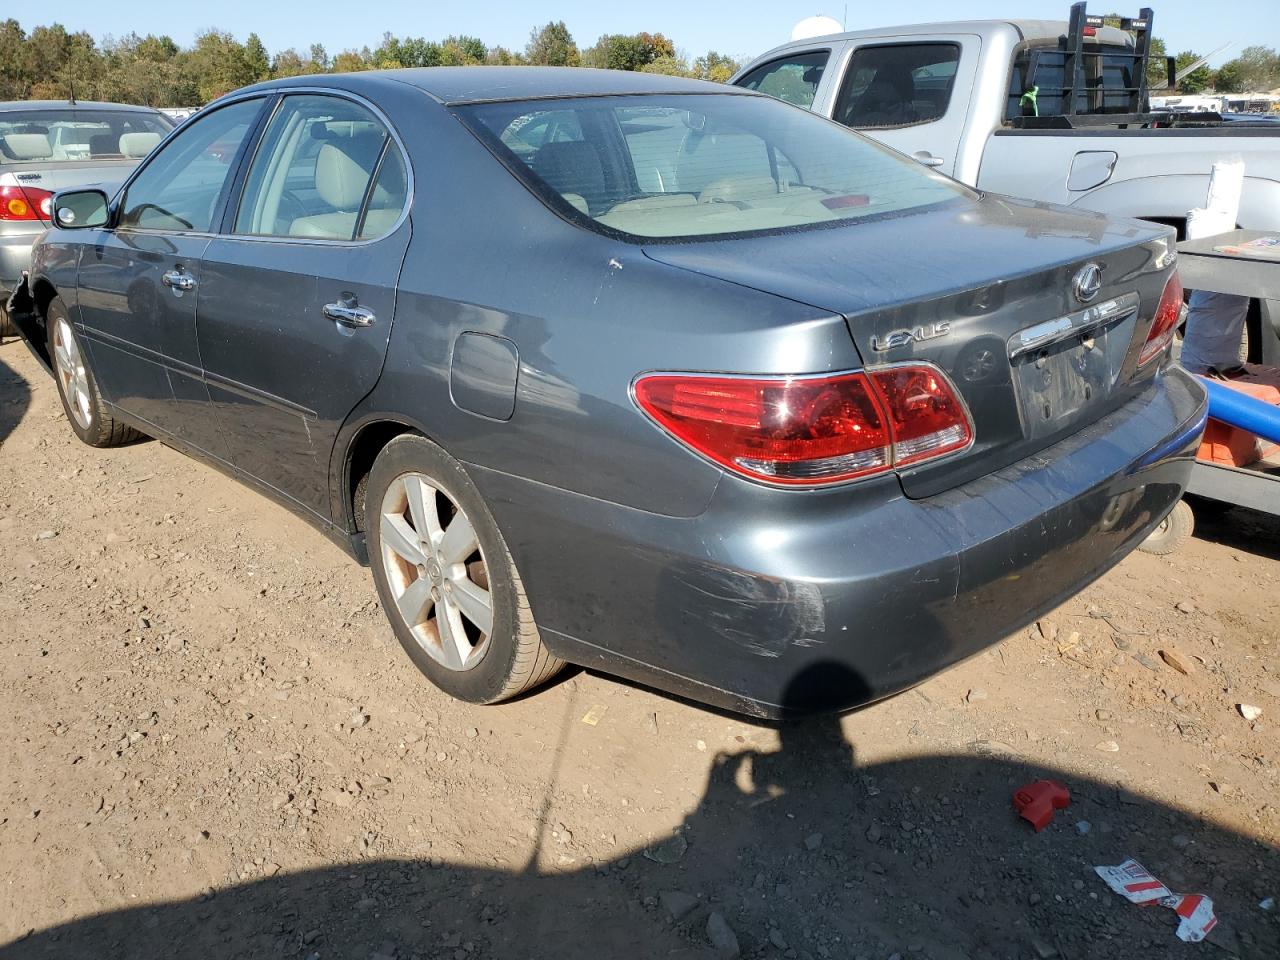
[660, 376]
[49, 145]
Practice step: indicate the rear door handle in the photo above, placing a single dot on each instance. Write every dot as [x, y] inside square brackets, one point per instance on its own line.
[927, 158]
[348, 312]
[178, 280]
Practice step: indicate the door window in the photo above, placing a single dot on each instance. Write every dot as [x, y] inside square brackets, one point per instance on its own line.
[898, 85]
[793, 79]
[388, 197]
[179, 189]
[311, 175]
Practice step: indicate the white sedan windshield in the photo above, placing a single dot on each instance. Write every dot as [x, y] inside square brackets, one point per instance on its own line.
[683, 166]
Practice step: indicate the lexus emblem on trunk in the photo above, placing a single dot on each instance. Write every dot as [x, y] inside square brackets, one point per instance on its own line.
[1087, 282]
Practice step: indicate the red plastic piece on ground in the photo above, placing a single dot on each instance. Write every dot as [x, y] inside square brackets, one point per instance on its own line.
[1036, 801]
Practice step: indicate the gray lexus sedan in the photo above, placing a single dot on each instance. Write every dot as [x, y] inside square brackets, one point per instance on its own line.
[643, 374]
[50, 145]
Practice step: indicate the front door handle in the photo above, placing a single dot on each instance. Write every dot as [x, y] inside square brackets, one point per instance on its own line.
[348, 312]
[178, 280]
[927, 158]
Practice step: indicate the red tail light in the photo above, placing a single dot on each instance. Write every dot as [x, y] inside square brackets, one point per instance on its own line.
[1166, 320]
[810, 431]
[25, 203]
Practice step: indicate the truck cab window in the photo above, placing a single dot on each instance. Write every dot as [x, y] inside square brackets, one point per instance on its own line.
[1038, 83]
[897, 85]
[793, 79]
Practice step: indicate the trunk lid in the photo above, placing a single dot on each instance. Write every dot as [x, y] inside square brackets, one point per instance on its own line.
[65, 174]
[983, 290]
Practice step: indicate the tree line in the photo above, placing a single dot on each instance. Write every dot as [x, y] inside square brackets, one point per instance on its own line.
[53, 63]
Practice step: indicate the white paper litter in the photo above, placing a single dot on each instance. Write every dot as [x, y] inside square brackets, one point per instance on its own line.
[1136, 884]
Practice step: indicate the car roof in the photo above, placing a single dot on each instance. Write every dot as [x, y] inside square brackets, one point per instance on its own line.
[454, 85]
[86, 105]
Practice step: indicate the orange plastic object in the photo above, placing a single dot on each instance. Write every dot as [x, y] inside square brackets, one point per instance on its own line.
[1036, 801]
[1231, 446]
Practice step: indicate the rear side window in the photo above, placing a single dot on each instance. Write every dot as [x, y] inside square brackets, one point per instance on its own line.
[687, 166]
[897, 85]
[793, 79]
[312, 173]
[178, 190]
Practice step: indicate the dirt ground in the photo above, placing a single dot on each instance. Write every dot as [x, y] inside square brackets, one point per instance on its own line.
[212, 747]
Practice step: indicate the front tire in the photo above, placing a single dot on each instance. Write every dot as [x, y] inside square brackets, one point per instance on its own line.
[77, 386]
[446, 579]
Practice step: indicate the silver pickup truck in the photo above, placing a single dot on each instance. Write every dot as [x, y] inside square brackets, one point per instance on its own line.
[1047, 110]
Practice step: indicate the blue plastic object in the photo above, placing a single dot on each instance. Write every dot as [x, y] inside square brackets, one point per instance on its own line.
[1243, 411]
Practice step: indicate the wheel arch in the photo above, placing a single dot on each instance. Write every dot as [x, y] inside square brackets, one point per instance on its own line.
[42, 293]
[359, 447]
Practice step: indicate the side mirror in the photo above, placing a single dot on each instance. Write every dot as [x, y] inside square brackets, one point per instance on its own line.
[1171, 65]
[81, 209]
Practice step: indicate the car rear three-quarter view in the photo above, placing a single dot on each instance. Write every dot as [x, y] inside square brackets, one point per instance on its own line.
[637, 373]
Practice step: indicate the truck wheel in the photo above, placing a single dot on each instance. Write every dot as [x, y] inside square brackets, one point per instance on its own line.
[1172, 532]
[78, 387]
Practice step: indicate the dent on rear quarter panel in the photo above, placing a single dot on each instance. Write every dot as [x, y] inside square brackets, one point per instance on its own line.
[587, 315]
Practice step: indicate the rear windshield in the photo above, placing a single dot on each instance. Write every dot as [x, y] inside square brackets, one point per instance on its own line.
[689, 166]
[55, 136]
[1038, 83]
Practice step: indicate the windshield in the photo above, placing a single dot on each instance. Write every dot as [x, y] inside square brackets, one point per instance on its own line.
[59, 135]
[688, 166]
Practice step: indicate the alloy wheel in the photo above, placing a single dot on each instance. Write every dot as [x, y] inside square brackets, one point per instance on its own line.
[71, 373]
[436, 571]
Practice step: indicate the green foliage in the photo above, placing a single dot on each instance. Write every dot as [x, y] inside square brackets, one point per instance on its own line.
[1157, 68]
[1228, 78]
[1259, 69]
[52, 62]
[255, 55]
[552, 46]
[621, 51]
[715, 66]
[1198, 79]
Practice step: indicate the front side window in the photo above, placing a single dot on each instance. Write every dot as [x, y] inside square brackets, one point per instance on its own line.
[179, 189]
[793, 79]
[312, 173]
[87, 133]
[897, 85]
[687, 166]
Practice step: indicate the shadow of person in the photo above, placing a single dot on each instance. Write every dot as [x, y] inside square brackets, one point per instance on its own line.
[15, 395]
[809, 851]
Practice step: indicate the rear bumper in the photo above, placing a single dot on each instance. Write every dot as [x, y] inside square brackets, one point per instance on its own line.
[772, 602]
[15, 255]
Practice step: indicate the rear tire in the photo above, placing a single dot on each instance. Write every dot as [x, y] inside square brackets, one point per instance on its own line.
[442, 587]
[1172, 532]
[77, 386]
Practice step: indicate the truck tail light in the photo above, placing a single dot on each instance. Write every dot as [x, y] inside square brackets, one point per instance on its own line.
[813, 430]
[1168, 313]
[25, 203]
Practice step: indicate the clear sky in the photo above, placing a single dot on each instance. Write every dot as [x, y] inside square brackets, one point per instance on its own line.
[743, 28]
